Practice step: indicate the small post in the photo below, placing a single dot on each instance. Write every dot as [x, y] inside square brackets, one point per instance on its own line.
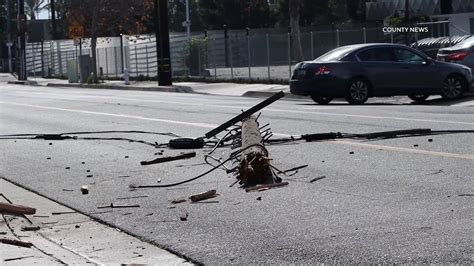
[337, 38]
[97, 57]
[312, 44]
[199, 59]
[121, 50]
[34, 59]
[106, 62]
[231, 61]
[248, 52]
[42, 59]
[268, 57]
[147, 64]
[136, 61]
[289, 52]
[365, 34]
[226, 48]
[115, 59]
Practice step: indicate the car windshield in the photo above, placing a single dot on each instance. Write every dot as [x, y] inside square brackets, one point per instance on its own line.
[466, 43]
[335, 55]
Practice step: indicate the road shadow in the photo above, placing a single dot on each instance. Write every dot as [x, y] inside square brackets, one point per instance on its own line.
[392, 101]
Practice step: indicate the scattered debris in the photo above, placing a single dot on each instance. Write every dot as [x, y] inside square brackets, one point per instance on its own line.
[133, 197]
[415, 145]
[16, 209]
[18, 258]
[180, 200]
[48, 158]
[113, 206]
[67, 168]
[123, 176]
[202, 196]
[50, 143]
[41, 216]
[61, 213]
[259, 198]
[169, 158]
[65, 189]
[30, 228]
[85, 190]
[430, 140]
[77, 226]
[186, 143]
[184, 216]
[159, 180]
[88, 171]
[88, 176]
[126, 156]
[466, 195]
[15, 242]
[266, 186]
[83, 162]
[317, 178]
[351, 152]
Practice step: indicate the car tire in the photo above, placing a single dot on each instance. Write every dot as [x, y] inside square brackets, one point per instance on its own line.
[321, 99]
[358, 91]
[454, 87]
[418, 98]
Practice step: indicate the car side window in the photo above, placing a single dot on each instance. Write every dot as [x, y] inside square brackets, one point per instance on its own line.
[377, 55]
[407, 56]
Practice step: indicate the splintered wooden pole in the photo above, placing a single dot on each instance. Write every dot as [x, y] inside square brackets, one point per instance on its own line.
[254, 165]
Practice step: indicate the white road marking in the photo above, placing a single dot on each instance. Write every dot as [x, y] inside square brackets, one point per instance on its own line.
[305, 111]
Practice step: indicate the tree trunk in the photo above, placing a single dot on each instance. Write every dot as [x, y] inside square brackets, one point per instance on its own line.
[294, 11]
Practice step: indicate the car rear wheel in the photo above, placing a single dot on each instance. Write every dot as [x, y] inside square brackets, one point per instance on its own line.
[321, 99]
[418, 97]
[357, 91]
[453, 87]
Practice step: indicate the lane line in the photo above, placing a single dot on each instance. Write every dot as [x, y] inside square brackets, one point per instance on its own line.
[296, 111]
[358, 144]
[115, 115]
[405, 150]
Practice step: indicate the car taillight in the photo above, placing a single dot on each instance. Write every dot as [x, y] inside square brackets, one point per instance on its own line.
[458, 56]
[324, 70]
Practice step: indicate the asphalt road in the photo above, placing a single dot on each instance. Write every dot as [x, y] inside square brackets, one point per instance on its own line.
[405, 200]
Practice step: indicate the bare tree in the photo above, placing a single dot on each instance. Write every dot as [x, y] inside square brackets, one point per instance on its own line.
[33, 7]
[294, 11]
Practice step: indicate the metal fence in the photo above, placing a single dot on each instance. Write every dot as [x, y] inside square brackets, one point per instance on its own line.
[218, 56]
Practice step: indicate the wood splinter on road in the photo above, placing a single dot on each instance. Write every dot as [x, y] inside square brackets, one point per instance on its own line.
[202, 196]
[16, 209]
[169, 158]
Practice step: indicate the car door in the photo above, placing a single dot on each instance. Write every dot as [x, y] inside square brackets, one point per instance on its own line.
[378, 65]
[417, 71]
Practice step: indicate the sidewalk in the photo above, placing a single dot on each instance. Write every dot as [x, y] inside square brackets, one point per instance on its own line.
[64, 236]
[229, 89]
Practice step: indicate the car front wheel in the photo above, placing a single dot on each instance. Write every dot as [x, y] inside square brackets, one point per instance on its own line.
[453, 87]
[321, 99]
[418, 97]
[357, 91]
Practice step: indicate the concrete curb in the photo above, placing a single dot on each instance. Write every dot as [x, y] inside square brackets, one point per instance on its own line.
[180, 89]
[23, 82]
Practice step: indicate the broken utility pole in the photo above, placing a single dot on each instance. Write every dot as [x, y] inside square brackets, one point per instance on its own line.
[254, 163]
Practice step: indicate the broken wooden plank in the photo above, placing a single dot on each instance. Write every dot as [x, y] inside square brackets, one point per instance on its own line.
[170, 158]
[16, 209]
[30, 228]
[179, 200]
[202, 196]
[15, 242]
[266, 186]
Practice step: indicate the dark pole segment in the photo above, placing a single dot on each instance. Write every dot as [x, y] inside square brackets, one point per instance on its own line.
[53, 20]
[21, 23]
[164, 58]
[121, 50]
[226, 48]
[245, 114]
